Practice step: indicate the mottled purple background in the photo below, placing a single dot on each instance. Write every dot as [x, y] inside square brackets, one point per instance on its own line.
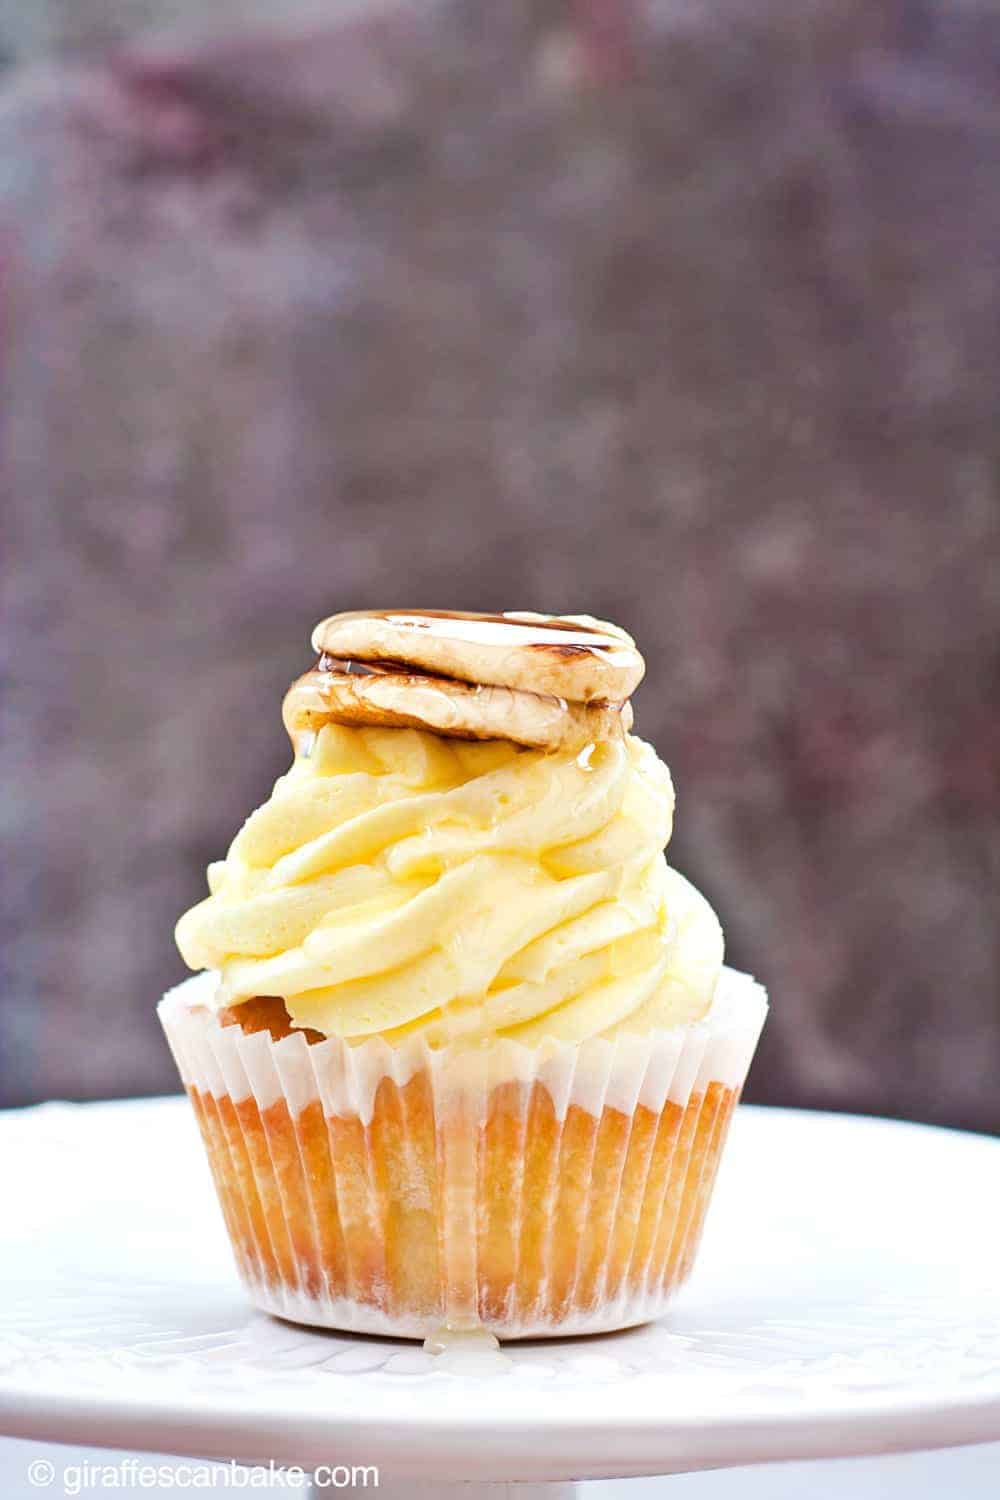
[683, 314]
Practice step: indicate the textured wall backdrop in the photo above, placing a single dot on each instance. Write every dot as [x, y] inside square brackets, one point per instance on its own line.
[686, 315]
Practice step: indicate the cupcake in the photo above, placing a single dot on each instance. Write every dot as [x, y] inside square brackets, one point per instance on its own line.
[464, 1051]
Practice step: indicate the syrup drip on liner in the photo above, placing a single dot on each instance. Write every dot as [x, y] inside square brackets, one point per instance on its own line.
[467, 1351]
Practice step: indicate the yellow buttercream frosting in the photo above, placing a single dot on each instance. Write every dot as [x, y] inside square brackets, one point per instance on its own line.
[397, 881]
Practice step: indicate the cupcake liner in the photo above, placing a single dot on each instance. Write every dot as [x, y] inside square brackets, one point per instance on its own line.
[537, 1191]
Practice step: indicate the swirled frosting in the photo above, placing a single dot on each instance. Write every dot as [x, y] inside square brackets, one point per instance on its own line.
[397, 881]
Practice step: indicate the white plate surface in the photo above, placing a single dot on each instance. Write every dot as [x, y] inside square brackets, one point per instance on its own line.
[847, 1301]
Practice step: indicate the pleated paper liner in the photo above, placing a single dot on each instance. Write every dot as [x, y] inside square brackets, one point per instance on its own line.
[545, 1191]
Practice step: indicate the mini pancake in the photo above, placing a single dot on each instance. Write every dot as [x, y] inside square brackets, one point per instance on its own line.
[393, 696]
[573, 657]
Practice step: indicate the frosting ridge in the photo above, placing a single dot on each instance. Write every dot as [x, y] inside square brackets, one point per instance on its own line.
[397, 881]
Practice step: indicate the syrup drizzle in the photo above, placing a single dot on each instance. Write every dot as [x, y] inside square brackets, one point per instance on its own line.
[498, 630]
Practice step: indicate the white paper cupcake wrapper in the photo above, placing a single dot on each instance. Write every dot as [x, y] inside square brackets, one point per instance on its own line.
[551, 1190]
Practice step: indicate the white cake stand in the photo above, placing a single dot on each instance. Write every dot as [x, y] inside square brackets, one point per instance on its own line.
[847, 1302]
